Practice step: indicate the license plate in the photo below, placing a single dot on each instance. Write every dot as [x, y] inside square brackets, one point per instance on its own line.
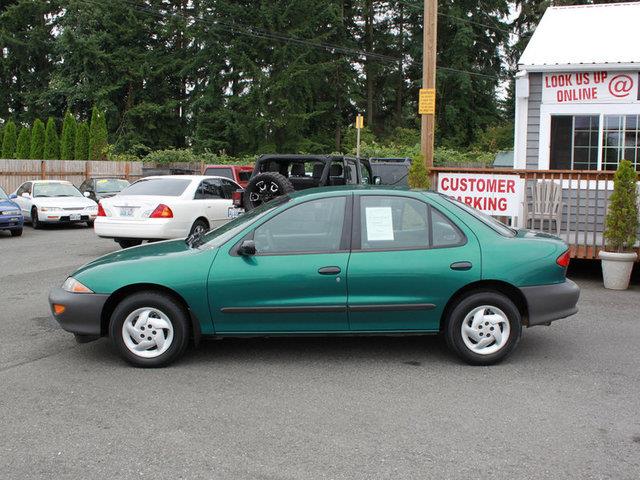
[126, 212]
[234, 212]
[75, 216]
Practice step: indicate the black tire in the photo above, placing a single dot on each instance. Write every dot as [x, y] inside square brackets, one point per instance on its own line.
[264, 187]
[128, 242]
[90, 224]
[465, 306]
[35, 223]
[199, 224]
[173, 310]
[16, 233]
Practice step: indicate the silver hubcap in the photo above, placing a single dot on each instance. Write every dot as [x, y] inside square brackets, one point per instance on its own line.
[147, 332]
[485, 330]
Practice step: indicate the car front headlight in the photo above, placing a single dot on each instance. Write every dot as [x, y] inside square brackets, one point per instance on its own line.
[49, 209]
[71, 285]
[10, 212]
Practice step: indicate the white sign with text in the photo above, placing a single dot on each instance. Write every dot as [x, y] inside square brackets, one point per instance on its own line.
[491, 194]
[590, 87]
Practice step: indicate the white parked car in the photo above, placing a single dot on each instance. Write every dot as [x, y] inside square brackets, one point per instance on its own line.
[165, 207]
[54, 201]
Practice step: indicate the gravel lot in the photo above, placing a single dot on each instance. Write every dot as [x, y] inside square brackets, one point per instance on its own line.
[566, 404]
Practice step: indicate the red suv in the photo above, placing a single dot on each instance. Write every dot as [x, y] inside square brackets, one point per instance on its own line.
[238, 173]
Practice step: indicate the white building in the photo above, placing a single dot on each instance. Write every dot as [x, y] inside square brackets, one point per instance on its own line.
[577, 95]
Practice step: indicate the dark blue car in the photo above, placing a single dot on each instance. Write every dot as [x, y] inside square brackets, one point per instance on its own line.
[10, 215]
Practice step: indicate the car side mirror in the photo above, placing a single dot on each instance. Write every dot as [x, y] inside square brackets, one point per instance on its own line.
[247, 248]
[12, 196]
[25, 195]
[377, 180]
[87, 194]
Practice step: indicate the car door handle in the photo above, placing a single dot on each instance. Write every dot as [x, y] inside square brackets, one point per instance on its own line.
[461, 266]
[329, 270]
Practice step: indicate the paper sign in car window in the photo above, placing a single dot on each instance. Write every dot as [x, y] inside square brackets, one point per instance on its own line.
[379, 224]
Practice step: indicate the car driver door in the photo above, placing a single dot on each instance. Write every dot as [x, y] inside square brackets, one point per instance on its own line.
[295, 281]
[24, 202]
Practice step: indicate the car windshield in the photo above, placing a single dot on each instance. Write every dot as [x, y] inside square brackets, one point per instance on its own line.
[488, 220]
[55, 190]
[110, 185]
[225, 232]
[3, 196]
[170, 187]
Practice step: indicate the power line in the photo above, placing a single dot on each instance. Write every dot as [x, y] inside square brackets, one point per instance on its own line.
[461, 19]
[264, 34]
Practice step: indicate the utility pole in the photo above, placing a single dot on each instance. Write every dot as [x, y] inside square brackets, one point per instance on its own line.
[427, 93]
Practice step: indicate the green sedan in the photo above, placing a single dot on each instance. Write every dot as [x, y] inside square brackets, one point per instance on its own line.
[338, 261]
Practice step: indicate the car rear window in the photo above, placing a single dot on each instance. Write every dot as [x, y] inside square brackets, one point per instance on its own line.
[170, 187]
[110, 185]
[488, 220]
[220, 172]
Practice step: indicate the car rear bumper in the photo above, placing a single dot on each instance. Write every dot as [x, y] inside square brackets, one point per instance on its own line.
[150, 228]
[546, 303]
[82, 311]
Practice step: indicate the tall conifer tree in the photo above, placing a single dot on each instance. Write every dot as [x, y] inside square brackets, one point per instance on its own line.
[51, 141]
[36, 152]
[68, 138]
[9, 140]
[24, 143]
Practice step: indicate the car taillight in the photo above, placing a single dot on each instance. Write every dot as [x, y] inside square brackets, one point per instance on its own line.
[236, 198]
[161, 211]
[101, 212]
[563, 260]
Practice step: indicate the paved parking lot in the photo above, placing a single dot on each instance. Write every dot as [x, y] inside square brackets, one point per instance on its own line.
[565, 405]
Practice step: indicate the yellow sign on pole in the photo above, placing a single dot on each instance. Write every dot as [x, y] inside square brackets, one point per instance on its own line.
[427, 101]
[359, 121]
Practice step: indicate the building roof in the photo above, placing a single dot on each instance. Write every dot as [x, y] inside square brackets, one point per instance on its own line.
[585, 37]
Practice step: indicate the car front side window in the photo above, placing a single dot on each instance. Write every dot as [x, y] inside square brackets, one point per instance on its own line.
[311, 227]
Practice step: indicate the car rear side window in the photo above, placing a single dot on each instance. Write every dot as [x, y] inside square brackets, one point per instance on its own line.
[402, 223]
[170, 187]
[245, 175]
[314, 226]
[220, 172]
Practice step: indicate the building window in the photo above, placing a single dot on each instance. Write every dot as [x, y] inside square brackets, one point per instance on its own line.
[620, 140]
[574, 142]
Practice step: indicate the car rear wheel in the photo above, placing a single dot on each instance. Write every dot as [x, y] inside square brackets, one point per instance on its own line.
[90, 224]
[16, 233]
[149, 329]
[199, 226]
[35, 223]
[128, 242]
[483, 328]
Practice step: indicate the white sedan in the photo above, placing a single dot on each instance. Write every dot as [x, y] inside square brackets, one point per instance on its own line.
[165, 207]
[54, 201]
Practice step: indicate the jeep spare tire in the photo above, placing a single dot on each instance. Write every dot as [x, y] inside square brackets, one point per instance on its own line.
[264, 187]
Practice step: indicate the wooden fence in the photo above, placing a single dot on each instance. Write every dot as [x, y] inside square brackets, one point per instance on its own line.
[585, 199]
[14, 173]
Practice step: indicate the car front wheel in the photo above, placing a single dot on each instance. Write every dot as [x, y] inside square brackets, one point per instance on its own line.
[128, 242]
[149, 329]
[483, 327]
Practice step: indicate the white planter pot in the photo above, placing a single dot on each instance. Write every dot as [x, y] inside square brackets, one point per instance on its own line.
[616, 269]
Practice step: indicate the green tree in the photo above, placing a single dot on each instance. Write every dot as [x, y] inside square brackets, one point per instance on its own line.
[621, 223]
[24, 143]
[68, 138]
[9, 140]
[418, 176]
[36, 151]
[81, 150]
[97, 135]
[51, 141]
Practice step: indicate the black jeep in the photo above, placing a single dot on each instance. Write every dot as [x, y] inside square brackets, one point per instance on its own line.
[275, 175]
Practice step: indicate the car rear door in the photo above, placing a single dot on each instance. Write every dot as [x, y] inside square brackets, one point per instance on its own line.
[296, 280]
[215, 193]
[408, 258]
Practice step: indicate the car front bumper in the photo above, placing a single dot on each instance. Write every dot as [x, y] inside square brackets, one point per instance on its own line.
[82, 311]
[546, 303]
[11, 222]
[144, 229]
[64, 216]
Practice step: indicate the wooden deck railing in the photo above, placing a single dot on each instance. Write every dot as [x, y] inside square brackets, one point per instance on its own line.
[585, 199]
